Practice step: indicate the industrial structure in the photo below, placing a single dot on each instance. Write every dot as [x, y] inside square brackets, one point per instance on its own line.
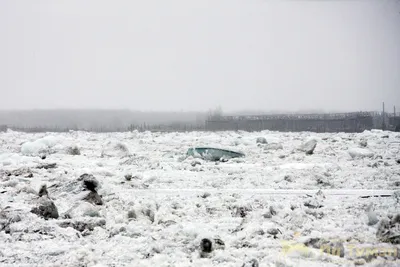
[330, 122]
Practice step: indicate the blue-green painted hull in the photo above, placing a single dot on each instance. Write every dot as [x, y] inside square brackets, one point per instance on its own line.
[213, 154]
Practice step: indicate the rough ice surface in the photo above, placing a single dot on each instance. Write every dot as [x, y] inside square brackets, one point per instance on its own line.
[161, 214]
[361, 153]
[41, 145]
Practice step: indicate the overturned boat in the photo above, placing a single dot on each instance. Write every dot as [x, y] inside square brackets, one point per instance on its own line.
[213, 154]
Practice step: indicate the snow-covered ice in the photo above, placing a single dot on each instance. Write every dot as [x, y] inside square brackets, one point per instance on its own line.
[260, 208]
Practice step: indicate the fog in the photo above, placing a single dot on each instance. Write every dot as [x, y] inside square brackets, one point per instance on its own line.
[197, 55]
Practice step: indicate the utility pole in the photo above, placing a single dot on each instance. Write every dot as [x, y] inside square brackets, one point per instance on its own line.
[383, 116]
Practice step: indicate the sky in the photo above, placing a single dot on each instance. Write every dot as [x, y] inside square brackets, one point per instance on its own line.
[196, 55]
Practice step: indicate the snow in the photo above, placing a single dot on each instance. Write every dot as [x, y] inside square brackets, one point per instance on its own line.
[41, 145]
[176, 203]
[361, 153]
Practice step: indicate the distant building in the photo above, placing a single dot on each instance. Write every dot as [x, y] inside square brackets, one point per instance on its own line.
[337, 122]
[394, 122]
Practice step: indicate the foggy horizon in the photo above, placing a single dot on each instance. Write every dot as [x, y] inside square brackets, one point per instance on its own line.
[195, 56]
[238, 111]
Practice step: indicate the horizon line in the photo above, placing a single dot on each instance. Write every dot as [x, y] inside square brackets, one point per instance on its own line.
[272, 111]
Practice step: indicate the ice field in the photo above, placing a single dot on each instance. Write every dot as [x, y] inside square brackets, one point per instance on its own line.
[152, 205]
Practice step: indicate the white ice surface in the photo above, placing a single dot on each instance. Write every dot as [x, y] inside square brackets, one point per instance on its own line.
[165, 182]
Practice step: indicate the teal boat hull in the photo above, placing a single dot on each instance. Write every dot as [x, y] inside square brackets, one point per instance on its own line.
[213, 154]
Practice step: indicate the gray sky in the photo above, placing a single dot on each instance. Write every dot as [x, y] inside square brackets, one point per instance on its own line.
[197, 54]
